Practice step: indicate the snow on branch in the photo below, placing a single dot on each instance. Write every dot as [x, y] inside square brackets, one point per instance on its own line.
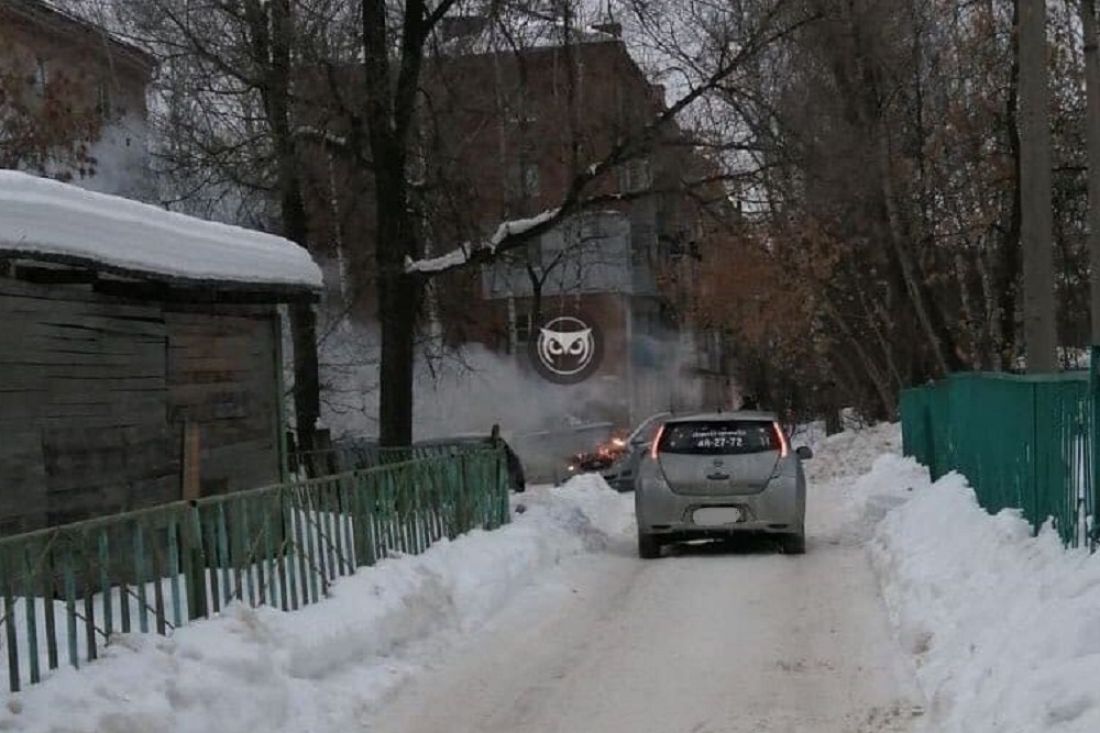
[322, 136]
[466, 252]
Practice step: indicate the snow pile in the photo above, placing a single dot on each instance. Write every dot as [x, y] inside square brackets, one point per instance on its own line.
[47, 220]
[1004, 627]
[322, 667]
[851, 453]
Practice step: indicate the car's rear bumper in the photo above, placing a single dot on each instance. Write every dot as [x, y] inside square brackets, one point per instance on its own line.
[778, 509]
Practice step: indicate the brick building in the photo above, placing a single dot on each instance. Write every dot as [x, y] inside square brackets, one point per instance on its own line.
[520, 126]
[103, 81]
[503, 134]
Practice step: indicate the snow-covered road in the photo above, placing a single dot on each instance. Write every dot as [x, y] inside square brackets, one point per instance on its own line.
[914, 610]
[705, 640]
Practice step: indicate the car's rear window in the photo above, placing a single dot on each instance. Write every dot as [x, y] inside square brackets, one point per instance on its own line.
[712, 437]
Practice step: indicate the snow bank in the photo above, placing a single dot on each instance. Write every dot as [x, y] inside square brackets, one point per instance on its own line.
[1004, 627]
[44, 219]
[321, 667]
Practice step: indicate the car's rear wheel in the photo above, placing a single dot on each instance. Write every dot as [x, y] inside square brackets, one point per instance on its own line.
[794, 544]
[649, 547]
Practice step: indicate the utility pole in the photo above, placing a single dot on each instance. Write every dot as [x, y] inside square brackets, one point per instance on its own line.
[1036, 230]
[1092, 137]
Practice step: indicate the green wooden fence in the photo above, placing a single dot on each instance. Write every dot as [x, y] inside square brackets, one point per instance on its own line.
[1025, 442]
[66, 590]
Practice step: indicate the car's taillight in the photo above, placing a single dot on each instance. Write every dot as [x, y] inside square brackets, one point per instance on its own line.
[656, 442]
[784, 446]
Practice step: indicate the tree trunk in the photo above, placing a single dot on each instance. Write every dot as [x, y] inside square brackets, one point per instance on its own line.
[398, 302]
[399, 295]
[1092, 127]
[390, 114]
[307, 400]
[272, 38]
[1009, 270]
[887, 397]
[1040, 337]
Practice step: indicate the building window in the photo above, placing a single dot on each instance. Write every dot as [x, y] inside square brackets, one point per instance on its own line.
[636, 175]
[521, 116]
[41, 76]
[103, 100]
[523, 328]
[523, 181]
[591, 228]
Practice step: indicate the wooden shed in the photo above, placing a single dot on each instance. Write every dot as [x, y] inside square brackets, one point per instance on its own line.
[140, 353]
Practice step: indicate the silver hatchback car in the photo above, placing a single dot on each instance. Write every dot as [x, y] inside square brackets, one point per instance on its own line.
[718, 474]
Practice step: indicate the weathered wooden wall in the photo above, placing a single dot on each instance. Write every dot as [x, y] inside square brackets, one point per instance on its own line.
[95, 392]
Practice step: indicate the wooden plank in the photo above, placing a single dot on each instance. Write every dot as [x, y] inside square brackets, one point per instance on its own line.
[210, 539]
[23, 498]
[181, 311]
[157, 556]
[7, 578]
[69, 575]
[174, 570]
[25, 407]
[149, 370]
[47, 583]
[140, 575]
[83, 342]
[55, 275]
[39, 298]
[194, 565]
[111, 458]
[124, 602]
[249, 561]
[89, 606]
[30, 593]
[52, 332]
[201, 345]
[224, 560]
[216, 406]
[103, 542]
[61, 317]
[192, 461]
[137, 363]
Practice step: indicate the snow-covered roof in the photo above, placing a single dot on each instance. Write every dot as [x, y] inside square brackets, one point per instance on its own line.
[62, 18]
[523, 33]
[45, 220]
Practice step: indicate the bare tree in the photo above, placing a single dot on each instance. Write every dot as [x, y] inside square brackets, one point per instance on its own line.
[1092, 126]
[396, 51]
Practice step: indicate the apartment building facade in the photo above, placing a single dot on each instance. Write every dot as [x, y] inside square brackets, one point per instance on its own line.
[76, 97]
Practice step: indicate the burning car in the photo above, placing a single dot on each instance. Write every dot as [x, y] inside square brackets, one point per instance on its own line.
[600, 458]
[620, 456]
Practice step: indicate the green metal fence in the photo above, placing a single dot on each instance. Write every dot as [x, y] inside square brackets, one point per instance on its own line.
[1025, 442]
[351, 454]
[66, 590]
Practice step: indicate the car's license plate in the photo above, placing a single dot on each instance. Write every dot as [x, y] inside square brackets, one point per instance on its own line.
[715, 516]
